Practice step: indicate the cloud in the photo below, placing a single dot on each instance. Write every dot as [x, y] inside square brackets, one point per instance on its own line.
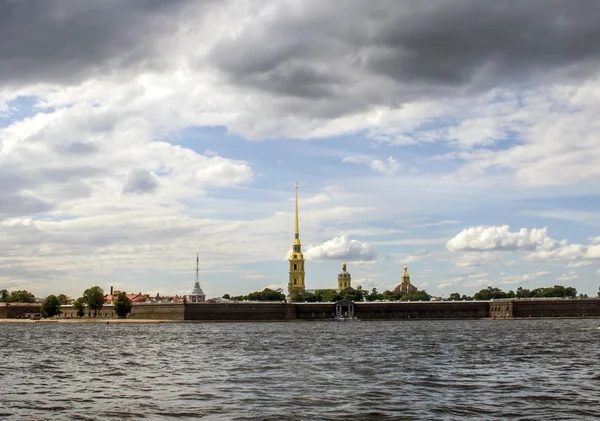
[414, 257]
[385, 167]
[535, 241]
[57, 42]
[579, 264]
[572, 275]
[499, 238]
[140, 181]
[595, 240]
[507, 280]
[477, 259]
[439, 223]
[389, 54]
[342, 248]
[450, 282]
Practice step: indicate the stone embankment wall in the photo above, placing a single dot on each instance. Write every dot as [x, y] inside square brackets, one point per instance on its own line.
[570, 307]
[148, 311]
[324, 311]
[157, 311]
[239, 311]
[423, 310]
[14, 310]
[513, 308]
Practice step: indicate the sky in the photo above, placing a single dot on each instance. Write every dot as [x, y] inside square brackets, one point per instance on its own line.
[459, 137]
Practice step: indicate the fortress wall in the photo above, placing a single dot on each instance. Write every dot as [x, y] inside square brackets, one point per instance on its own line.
[501, 309]
[314, 311]
[579, 307]
[238, 311]
[14, 310]
[157, 311]
[423, 310]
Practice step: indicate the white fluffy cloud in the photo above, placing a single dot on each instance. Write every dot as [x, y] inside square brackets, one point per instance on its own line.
[535, 241]
[342, 248]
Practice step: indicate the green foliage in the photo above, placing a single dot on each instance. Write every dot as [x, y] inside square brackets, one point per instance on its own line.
[50, 307]
[352, 294]
[557, 291]
[266, 294]
[389, 296]
[491, 293]
[79, 306]
[327, 296]
[455, 296]
[299, 297]
[416, 296]
[18, 296]
[94, 298]
[122, 305]
[63, 299]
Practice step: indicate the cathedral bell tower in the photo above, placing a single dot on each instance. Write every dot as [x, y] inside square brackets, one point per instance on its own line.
[296, 281]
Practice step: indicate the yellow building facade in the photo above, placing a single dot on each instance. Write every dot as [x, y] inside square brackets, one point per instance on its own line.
[297, 275]
[344, 278]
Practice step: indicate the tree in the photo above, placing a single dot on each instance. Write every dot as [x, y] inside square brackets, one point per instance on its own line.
[416, 296]
[79, 306]
[227, 296]
[4, 296]
[122, 305]
[374, 295]
[523, 293]
[389, 296]
[94, 298]
[63, 299]
[455, 296]
[50, 307]
[21, 296]
[352, 294]
[327, 296]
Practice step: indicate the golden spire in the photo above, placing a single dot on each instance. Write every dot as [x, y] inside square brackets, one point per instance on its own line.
[296, 229]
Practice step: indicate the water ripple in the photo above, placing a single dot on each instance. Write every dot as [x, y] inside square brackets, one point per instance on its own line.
[442, 370]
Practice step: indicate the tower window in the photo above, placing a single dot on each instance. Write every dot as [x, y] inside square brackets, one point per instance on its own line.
[295, 266]
[295, 282]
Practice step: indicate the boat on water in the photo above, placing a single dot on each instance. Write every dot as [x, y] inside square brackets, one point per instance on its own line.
[344, 319]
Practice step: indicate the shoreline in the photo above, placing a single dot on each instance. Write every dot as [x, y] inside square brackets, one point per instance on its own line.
[110, 321]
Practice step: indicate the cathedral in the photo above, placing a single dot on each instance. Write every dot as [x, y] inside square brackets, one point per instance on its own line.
[296, 279]
[296, 282]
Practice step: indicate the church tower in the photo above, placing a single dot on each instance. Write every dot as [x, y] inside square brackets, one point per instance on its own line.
[296, 281]
[344, 279]
[405, 276]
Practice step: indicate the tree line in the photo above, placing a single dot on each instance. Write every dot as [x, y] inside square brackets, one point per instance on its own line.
[492, 293]
[330, 295]
[92, 298]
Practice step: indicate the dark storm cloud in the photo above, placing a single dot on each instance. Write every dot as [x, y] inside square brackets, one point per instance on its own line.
[333, 49]
[67, 40]
[140, 181]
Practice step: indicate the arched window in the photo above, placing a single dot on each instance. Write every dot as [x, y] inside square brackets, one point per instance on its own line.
[295, 266]
[295, 281]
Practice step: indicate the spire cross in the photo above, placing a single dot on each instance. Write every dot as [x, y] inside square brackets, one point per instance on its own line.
[297, 231]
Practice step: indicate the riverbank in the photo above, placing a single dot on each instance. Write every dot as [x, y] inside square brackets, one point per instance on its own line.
[88, 321]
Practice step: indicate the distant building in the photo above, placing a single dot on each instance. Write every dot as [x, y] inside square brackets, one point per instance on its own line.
[405, 287]
[296, 278]
[344, 278]
[197, 295]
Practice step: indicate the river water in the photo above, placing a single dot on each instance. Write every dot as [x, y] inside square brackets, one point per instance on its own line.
[405, 370]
